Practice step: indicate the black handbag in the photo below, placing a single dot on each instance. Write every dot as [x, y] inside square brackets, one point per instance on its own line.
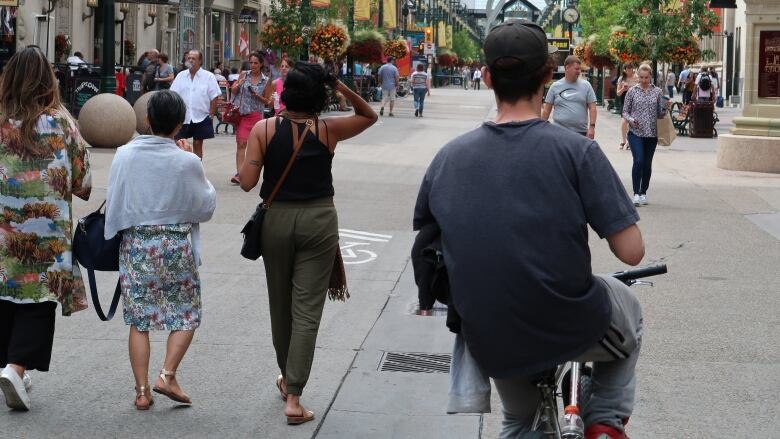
[94, 252]
[253, 230]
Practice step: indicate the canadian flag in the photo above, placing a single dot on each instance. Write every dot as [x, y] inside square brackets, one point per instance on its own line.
[243, 43]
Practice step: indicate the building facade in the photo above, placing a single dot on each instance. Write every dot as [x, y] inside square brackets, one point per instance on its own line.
[226, 30]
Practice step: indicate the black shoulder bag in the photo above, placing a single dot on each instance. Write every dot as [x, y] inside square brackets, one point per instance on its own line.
[94, 252]
[253, 230]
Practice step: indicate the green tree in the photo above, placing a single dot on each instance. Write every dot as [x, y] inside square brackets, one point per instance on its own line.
[664, 28]
[465, 47]
[597, 18]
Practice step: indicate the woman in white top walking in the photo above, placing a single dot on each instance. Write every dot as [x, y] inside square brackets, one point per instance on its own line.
[156, 212]
[421, 85]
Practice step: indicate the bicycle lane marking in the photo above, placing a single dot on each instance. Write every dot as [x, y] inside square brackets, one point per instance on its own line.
[352, 248]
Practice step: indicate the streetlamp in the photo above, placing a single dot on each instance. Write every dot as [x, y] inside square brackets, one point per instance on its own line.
[124, 8]
[108, 82]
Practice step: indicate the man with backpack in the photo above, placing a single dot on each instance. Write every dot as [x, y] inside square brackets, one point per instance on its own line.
[704, 87]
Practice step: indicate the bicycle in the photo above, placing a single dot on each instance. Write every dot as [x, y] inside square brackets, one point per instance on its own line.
[572, 376]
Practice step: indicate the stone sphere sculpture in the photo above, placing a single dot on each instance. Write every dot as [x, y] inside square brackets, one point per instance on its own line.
[107, 121]
[140, 113]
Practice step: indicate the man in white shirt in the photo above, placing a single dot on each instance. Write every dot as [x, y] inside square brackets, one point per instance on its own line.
[477, 78]
[199, 90]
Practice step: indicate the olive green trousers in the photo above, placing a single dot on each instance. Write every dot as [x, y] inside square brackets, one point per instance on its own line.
[300, 241]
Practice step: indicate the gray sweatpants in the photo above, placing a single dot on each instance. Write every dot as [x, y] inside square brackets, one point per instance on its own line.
[614, 381]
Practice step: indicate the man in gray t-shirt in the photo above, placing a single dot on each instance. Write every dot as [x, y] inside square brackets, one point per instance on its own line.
[573, 101]
[388, 80]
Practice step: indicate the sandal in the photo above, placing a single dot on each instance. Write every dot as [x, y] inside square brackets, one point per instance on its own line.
[622, 145]
[306, 416]
[143, 392]
[234, 180]
[279, 381]
[182, 398]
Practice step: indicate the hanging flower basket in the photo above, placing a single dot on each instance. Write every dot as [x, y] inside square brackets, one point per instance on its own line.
[329, 42]
[592, 59]
[367, 46]
[282, 37]
[395, 48]
[626, 48]
[447, 59]
[579, 52]
[686, 53]
[62, 46]
[129, 51]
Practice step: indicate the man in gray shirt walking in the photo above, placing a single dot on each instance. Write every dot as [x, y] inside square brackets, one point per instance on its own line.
[388, 80]
[573, 101]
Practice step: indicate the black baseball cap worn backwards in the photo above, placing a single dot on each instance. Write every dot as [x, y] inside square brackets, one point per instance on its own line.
[518, 39]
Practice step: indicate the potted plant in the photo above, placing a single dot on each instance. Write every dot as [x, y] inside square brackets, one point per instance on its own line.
[62, 47]
[395, 48]
[329, 42]
[367, 46]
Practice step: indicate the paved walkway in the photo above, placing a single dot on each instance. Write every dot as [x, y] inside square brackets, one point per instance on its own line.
[708, 369]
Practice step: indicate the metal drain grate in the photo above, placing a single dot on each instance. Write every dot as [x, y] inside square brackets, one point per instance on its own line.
[415, 362]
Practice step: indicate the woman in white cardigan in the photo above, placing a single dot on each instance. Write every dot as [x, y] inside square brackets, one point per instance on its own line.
[157, 195]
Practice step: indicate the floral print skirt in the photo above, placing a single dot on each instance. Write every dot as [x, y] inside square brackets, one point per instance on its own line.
[159, 278]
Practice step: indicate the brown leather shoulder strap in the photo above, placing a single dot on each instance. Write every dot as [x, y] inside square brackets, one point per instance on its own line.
[297, 143]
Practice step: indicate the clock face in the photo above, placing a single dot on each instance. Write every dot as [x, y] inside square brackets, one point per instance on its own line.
[571, 15]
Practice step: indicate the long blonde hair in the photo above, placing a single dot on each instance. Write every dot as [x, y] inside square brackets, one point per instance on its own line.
[28, 89]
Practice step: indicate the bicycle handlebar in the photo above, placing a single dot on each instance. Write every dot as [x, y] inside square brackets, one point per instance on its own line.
[638, 273]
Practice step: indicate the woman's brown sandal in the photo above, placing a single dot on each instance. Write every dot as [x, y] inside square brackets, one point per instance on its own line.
[182, 398]
[306, 416]
[279, 381]
[142, 393]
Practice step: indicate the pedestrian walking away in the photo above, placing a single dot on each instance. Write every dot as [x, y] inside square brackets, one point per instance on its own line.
[252, 93]
[572, 101]
[644, 105]
[670, 81]
[199, 89]
[476, 78]
[388, 82]
[510, 302]
[627, 80]
[421, 85]
[157, 196]
[300, 230]
[43, 163]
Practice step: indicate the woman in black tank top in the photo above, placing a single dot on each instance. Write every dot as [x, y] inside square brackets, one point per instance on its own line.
[301, 225]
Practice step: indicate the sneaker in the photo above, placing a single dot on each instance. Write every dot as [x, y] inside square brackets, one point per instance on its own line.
[416, 112]
[13, 388]
[391, 114]
[234, 179]
[601, 431]
[382, 111]
[643, 200]
[636, 200]
[27, 381]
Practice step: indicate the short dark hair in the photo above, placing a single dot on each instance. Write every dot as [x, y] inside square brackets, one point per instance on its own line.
[163, 57]
[304, 88]
[166, 110]
[571, 59]
[512, 82]
[420, 67]
[78, 54]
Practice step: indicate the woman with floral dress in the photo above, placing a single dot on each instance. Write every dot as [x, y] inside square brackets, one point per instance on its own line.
[157, 195]
[43, 163]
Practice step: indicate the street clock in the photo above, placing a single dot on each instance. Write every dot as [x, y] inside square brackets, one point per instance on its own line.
[571, 15]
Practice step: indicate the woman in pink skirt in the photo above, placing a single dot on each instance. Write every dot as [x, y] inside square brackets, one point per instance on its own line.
[252, 93]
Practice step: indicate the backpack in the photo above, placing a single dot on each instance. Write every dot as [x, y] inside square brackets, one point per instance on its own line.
[705, 82]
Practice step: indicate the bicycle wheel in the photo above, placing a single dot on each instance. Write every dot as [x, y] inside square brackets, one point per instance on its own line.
[585, 385]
